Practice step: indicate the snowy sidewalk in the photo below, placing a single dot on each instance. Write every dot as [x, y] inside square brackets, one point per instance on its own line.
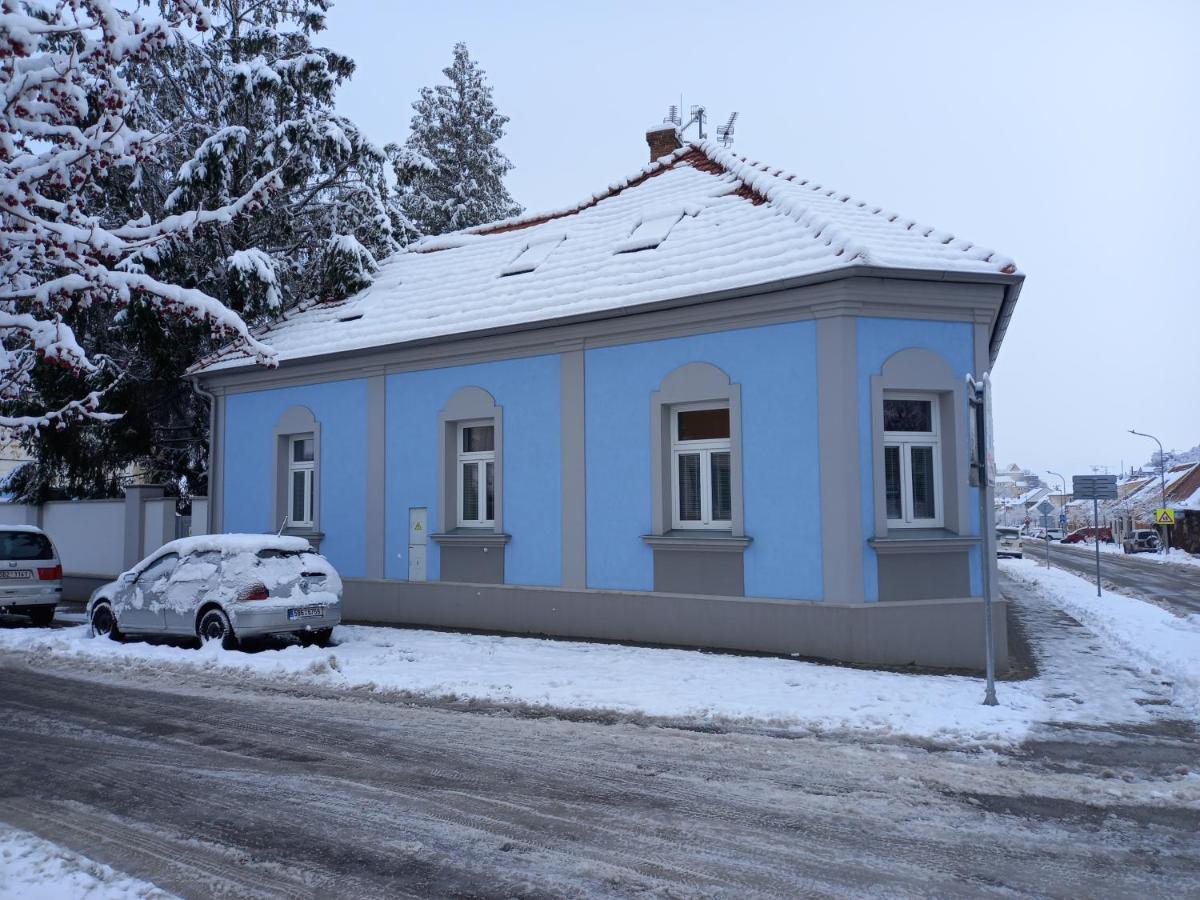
[34, 869]
[1146, 636]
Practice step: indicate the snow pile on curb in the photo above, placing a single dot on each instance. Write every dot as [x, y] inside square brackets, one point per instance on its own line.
[569, 675]
[34, 869]
[1154, 638]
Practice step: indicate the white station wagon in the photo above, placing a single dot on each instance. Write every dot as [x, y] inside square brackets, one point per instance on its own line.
[223, 587]
[30, 573]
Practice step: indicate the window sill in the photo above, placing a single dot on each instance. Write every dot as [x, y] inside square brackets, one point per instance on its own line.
[471, 537]
[696, 539]
[311, 535]
[923, 540]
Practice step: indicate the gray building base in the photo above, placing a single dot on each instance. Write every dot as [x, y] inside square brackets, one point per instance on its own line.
[934, 633]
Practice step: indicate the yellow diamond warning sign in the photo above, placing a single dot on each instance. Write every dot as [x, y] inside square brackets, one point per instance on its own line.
[1164, 516]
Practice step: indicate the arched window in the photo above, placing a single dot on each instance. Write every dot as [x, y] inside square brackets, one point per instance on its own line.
[297, 471]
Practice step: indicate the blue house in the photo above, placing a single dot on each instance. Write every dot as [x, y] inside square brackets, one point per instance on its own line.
[715, 405]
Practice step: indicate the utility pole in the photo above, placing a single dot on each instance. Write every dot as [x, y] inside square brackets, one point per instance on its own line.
[1063, 507]
[1162, 478]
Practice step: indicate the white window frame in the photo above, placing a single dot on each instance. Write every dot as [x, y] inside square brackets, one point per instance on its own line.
[308, 467]
[481, 458]
[706, 448]
[906, 441]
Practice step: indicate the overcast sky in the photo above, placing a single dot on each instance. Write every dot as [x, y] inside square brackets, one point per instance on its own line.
[1064, 135]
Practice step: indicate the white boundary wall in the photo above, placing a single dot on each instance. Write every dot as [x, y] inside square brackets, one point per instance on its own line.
[102, 538]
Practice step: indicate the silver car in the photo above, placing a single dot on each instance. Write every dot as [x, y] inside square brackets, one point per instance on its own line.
[30, 573]
[223, 587]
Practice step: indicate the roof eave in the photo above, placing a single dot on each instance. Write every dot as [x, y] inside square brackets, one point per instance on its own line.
[1011, 282]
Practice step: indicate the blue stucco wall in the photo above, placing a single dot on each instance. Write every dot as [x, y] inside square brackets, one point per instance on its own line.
[879, 338]
[528, 391]
[341, 409]
[776, 367]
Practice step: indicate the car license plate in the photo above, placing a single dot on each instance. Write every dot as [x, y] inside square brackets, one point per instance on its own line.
[15, 573]
[306, 612]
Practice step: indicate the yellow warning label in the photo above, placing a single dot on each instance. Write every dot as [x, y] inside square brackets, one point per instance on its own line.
[1164, 516]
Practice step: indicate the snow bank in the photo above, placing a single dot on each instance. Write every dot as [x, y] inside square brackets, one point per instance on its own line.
[1154, 638]
[568, 675]
[34, 869]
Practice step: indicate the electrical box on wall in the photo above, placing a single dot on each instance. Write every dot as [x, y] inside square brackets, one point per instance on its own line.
[418, 538]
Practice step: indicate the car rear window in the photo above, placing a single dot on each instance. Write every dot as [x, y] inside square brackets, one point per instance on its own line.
[25, 545]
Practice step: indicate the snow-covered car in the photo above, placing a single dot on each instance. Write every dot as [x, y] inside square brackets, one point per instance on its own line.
[1008, 542]
[30, 573]
[223, 587]
[1141, 540]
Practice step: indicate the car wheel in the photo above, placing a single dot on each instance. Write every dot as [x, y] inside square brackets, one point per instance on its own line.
[41, 616]
[214, 626]
[104, 623]
[319, 638]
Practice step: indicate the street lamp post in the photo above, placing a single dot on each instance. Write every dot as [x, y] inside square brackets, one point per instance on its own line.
[1162, 478]
[1063, 508]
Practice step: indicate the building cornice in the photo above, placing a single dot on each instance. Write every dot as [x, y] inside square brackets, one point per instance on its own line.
[860, 291]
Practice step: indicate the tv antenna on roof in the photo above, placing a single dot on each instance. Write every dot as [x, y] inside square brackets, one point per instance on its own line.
[698, 116]
[725, 132]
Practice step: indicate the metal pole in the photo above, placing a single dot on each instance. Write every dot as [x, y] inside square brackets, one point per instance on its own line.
[980, 399]
[1162, 478]
[1096, 526]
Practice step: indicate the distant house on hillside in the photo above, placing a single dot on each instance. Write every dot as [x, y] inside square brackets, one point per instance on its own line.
[714, 404]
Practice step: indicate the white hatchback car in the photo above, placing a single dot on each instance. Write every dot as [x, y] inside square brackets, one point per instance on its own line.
[223, 587]
[1008, 542]
[30, 573]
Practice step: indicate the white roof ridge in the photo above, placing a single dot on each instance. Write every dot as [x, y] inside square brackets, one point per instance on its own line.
[782, 190]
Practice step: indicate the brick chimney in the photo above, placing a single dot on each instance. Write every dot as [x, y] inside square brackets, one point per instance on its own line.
[663, 140]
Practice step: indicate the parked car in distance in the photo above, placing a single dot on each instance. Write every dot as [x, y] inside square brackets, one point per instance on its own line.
[30, 573]
[1082, 535]
[223, 587]
[1047, 534]
[1141, 540]
[1008, 542]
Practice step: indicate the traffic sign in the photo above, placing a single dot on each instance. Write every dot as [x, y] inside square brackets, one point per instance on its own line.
[1045, 507]
[1094, 487]
[1164, 516]
[1062, 520]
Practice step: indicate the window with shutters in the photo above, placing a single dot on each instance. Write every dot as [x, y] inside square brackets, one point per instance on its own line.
[912, 464]
[476, 474]
[702, 489]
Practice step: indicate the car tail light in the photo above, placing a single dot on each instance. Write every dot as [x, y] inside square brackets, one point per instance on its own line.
[257, 591]
[50, 573]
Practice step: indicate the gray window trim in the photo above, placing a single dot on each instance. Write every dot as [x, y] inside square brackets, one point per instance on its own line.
[695, 382]
[294, 422]
[918, 370]
[466, 405]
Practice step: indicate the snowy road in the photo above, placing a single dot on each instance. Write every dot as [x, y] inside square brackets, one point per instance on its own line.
[208, 787]
[1174, 586]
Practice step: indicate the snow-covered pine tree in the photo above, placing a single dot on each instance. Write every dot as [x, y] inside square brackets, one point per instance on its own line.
[450, 171]
[253, 95]
[249, 95]
[66, 129]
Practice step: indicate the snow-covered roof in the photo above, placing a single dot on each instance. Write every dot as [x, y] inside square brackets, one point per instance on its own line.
[712, 221]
